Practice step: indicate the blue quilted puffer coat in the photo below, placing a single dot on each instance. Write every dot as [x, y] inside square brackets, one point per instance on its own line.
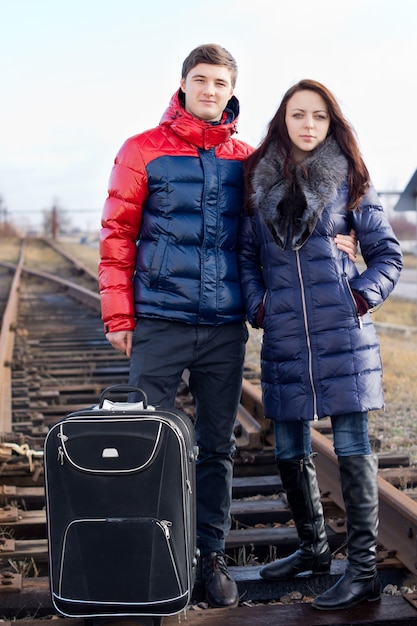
[319, 356]
[170, 223]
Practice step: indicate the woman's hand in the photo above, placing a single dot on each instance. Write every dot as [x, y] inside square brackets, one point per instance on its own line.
[348, 244]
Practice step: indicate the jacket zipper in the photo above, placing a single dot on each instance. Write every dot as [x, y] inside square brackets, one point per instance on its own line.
[310, 368]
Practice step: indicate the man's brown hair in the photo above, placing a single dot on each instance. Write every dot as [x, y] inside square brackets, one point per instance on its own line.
[212, 54]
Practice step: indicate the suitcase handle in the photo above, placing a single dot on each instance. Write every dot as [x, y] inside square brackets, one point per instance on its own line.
[122, 388]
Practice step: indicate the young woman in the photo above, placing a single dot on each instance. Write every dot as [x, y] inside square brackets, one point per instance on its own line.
[320, 354]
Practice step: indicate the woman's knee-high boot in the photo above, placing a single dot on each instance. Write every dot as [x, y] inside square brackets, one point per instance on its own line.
[300, 484]
[360, 581]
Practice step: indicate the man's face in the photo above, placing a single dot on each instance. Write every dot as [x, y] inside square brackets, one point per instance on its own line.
[207, 88]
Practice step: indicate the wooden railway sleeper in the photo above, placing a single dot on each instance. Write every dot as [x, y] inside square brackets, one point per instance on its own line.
[10, 582]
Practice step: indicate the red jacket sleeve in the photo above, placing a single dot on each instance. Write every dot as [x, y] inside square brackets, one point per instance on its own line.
[121, 223]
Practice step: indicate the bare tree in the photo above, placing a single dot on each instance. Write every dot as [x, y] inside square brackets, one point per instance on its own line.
[55, 221]
[6, 227]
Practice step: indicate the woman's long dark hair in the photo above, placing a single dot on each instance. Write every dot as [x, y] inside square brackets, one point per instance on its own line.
[342, 131]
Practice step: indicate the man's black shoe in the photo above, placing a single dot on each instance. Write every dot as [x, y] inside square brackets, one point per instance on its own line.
[221, 589]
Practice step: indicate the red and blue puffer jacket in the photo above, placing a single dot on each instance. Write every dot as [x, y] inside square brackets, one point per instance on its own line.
[170, 223]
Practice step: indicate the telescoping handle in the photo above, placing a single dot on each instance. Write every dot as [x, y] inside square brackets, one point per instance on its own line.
[122, 389]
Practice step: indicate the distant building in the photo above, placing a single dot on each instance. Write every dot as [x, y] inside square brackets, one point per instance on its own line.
[408, 199]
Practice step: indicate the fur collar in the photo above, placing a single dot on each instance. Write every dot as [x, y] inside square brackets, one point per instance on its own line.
[316, 181]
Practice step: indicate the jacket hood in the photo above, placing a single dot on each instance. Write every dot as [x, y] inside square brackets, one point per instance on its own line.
[317, 180]
[198, 132]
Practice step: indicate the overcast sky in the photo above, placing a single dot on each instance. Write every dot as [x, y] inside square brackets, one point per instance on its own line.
[80, 76]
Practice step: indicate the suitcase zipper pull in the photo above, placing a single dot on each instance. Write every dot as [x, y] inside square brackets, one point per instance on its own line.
[165, 524]
[61, 455]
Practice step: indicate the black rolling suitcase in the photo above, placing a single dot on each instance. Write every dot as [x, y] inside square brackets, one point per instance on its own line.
[120, 503]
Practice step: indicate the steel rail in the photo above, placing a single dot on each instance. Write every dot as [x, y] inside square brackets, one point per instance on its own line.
[9, 322]
[77, 292]
[397, 512]
[7, 337]
[83, 269]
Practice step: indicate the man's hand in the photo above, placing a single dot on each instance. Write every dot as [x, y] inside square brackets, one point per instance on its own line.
[121, 340]
[348, 244]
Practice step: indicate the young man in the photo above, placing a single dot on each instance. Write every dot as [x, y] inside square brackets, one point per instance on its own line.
[169, 280]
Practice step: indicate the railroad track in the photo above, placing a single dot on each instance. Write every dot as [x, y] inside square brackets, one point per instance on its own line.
[54, 359]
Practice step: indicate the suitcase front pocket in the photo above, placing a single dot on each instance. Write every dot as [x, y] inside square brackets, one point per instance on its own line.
[113, 446]
[118, 561]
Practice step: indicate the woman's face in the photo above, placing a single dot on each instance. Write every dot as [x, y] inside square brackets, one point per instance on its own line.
[308, 121]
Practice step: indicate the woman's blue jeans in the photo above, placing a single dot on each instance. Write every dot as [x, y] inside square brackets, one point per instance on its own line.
[350, 437]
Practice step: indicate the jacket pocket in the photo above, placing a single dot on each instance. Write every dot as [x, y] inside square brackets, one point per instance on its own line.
[352, 301]
[157, 266]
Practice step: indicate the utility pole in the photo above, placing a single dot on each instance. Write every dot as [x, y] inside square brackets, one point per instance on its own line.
[54, 222]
